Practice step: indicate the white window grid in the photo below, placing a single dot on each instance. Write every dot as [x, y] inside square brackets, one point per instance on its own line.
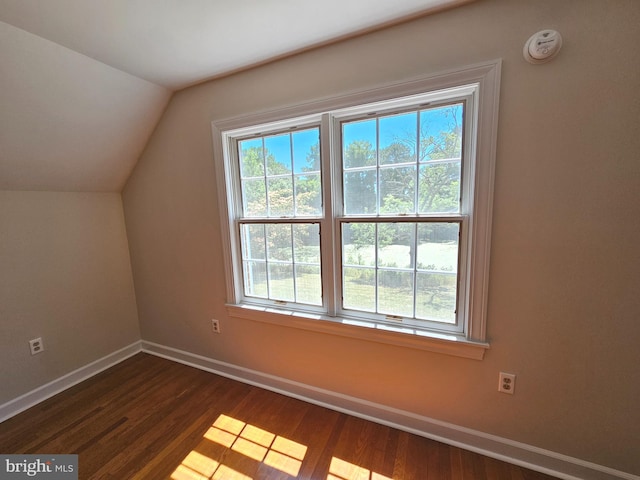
[476, 85]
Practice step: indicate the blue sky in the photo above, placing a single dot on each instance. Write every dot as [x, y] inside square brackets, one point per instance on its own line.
[391, 127]
[400, 126]
[301, 142]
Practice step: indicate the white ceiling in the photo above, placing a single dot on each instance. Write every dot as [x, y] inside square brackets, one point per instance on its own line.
[175, 43]
[83, 83]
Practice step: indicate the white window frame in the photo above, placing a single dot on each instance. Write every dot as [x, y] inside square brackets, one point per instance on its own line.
[479, 84]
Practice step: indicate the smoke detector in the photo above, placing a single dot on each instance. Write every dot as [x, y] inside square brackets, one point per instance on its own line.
[542, 46]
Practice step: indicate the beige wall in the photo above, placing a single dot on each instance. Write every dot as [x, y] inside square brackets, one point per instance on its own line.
[563, 307]
[65, 276]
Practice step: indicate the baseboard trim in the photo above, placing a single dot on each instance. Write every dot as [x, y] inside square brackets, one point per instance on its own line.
[40, 394]
[528, 456]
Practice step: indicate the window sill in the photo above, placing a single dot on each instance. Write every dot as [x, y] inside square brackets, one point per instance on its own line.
[444, 343]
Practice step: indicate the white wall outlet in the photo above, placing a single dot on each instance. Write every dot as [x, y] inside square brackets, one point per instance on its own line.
[507, 383]
[215, 324]
[36, 345]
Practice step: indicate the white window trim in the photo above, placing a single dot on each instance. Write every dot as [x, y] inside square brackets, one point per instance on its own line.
[473, 343]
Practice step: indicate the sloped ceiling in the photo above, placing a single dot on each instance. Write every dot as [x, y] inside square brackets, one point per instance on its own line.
[67, 122]
[82, 84]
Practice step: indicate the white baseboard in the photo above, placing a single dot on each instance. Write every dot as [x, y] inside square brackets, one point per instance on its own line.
[40, 394]
[528, 456]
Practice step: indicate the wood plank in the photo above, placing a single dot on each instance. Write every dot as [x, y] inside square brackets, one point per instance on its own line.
[150, 418]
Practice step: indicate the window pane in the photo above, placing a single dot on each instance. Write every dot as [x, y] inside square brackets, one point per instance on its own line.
[440, 153]
[437, 148]
[397, 189]
[288, 268]
[280, 196]
[441, 132]
[306, 256]
[438, 247]
[439, 188]
[277, 150]
[306, 150]
[251, 158]
[254, 198]
[395, 293]
[279, 245]
[255, 279]
[308, 284]
[360, 192]
[272, 166]
[306, 241]
[359, 289]
[281, 285]
[388, 267]
[396, 245]
[359, 244]
[308, 194]
[436, 297]
[253, 246]
[437, 272]
[398, 137]
[359, 142]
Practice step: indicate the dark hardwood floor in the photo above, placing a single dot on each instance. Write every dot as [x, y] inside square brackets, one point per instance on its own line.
[150, 418]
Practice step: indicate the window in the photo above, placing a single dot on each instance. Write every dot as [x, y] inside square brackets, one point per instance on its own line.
[280, 178]
[367, 215]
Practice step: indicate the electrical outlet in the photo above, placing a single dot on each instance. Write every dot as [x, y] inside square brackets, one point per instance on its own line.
[507, 383]
[215, 324]
[36, 346]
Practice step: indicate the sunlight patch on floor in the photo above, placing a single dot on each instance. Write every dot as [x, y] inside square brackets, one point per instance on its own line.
[253, 442]
[343, 470]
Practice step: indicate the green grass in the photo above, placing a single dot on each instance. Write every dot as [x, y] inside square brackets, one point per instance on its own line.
[436, 292]
[436, 304]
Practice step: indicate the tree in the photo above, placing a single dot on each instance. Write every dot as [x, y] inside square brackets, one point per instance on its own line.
[313, 159]
[254, 161]
[360, 189]
[431, 157]
[397, 184]
[308, 187]
[438, 182]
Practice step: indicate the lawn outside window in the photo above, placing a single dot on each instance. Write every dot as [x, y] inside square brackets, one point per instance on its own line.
[367, 215]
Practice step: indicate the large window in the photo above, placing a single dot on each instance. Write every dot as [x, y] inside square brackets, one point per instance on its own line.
[365, 214]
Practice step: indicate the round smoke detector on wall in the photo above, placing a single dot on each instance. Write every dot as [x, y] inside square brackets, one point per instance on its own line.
[542, 46]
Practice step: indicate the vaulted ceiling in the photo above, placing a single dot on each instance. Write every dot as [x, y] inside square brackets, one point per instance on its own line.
[82, 84]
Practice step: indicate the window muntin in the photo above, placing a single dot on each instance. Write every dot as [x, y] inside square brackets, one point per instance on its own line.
[475, 86]
[281, 262]
[280, 174]
[405, 270]
[478, 87]
[399, 165]
[402, 178]
[403, 163]
[280, 178]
